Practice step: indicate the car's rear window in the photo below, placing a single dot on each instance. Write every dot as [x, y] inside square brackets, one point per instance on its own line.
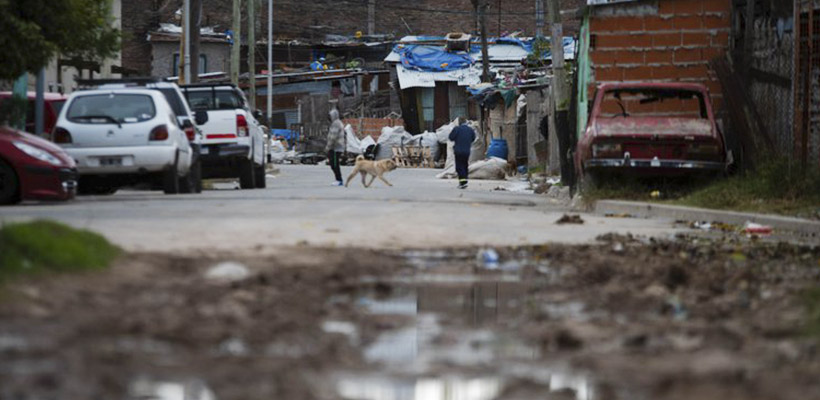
[174, 100]
[642, 102]
[108, 108]
[213, 100]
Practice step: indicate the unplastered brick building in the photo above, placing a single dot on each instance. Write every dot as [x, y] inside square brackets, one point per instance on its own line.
[658, 40]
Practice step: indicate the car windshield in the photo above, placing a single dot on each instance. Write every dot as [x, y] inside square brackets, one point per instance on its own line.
[112, 108]
[653, 102]
[200, 100]
[174, 100]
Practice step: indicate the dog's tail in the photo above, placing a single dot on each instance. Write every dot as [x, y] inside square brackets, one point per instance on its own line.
[359, 158]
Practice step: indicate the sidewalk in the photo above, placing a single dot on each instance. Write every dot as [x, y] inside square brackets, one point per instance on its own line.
[652, 210]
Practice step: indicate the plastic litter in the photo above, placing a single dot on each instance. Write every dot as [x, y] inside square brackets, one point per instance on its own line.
[488, 259]
[391, 137]
[752, 228]
[229, 271]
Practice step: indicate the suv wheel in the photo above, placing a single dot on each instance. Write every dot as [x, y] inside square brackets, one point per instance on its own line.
[192, 182]
[246, 174]
[170, 178]
[9, 185]
[259, 174]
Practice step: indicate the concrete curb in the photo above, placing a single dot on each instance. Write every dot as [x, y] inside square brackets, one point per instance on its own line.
[650, 210]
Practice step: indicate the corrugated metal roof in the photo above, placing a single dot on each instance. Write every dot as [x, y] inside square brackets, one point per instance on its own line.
[410, 78]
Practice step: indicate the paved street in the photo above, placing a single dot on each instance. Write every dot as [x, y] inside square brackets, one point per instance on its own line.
[300, 207]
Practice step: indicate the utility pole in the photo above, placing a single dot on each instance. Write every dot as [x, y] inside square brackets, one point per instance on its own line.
[539, 18]
[270, 61]
[195, 24]
[560, 92]
[485, 57]
[371, 17]
[252, 51]
[186, 28]
[237, 41]
[499, 18]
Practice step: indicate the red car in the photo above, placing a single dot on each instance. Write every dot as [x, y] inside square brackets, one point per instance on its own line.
[53, 104]
[651, 129]
[34, 169]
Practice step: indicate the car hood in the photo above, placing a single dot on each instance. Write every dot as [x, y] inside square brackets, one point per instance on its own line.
[654, 127]
[8, 134]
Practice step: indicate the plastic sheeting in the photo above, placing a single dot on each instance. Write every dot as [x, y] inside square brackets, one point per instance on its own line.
[432, 59]
[391, 136]
[490, 169]
[409, 78]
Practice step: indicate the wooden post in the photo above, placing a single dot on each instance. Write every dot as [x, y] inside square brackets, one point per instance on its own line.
[560, 92]
[237, 41]
[252, 52]
[196, 25]
[485, 57]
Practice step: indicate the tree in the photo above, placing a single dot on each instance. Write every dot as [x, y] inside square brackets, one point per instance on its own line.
[37, 30]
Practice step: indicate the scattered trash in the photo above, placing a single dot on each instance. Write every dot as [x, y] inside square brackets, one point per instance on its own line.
[488, 259]
[500, 189]
[618, 247]
[228, 271]
[570, 219]
[704, 226]
[656, 194]
[542, 188]
[554, 180]
[712, 226]
[752, 228]
[559, 194]
[233, 347]
[621, 215]
[679, 312]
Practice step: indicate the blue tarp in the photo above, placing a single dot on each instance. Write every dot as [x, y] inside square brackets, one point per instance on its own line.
[286, 133]
[432, 59]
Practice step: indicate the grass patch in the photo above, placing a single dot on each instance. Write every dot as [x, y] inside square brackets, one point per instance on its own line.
[811, 298]
[41, 247]
[775, 188]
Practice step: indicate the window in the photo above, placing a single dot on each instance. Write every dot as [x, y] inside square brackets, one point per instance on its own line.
[174, 100]
[639, 102]
[112, 108]
[428, 105]
[213, 100]
[203, 64]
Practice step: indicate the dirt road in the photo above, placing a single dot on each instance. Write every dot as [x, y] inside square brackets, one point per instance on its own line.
[621, 319]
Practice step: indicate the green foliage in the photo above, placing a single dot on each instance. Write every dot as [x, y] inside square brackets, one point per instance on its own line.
[44, 246]
[34, 31]
[777, 187]
[540, 48]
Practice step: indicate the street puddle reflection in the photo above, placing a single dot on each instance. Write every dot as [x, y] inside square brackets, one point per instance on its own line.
[456, 327]
[148, 389]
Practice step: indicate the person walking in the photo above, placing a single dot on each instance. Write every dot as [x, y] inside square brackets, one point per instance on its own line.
[463, 136]
[335, 146]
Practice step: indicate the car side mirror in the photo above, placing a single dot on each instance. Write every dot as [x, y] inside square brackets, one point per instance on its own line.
[201, 117]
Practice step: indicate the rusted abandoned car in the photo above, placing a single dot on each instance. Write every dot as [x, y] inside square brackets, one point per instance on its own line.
[651, 129]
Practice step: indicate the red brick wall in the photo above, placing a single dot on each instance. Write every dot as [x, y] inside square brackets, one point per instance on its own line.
[372, 126]
[671, 42]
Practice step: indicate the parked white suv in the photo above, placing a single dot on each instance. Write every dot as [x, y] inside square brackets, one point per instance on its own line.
[123, 137]
[234, 141]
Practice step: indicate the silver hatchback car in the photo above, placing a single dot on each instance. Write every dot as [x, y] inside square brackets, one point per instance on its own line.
[124, 137]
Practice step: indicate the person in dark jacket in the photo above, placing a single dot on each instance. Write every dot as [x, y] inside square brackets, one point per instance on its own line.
[463, 136]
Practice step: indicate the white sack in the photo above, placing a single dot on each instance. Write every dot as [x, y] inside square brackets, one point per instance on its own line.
[491, 169]
[354, 145]
[391, 137]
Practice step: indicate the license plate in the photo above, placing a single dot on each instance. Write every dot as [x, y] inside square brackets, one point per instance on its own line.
[111, 161]
[203, 150]
[655, 163]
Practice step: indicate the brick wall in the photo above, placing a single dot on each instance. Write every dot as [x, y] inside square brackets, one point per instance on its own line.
[372, 126]
[665, 40]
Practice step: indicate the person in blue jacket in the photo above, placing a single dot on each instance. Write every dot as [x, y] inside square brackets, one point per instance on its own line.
[463, 136]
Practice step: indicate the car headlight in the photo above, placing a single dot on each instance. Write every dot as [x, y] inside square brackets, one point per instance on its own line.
[41, 155]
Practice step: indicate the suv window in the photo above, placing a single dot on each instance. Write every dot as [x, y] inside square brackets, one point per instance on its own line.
[113, 107]
[174, 100]
[213, 100]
